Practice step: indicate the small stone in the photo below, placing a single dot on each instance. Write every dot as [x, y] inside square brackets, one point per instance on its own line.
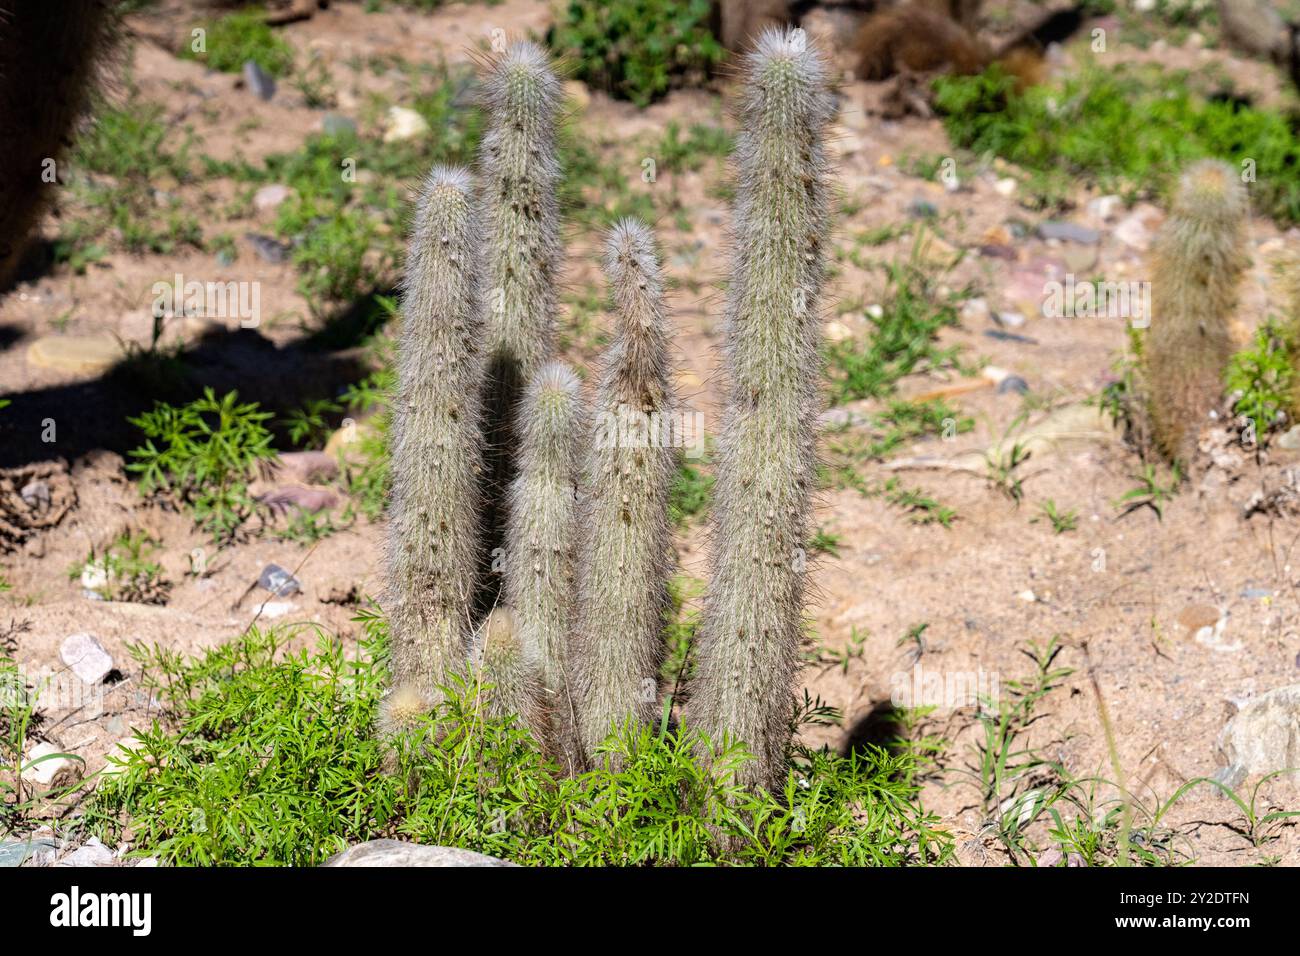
[403, 124]
[269, 197]
[1263, 737]
[1013, 383]
[44, 768]
[1010, 320]
[269, 249]
[35, 494]
[1256, 594]
[278, 581]
[273, 609]
[1005, 187]
[1029, 597]
[398, 853]
[85, 354]
[18, 853]
[876, 310]
[87, 657]
[974, 311]
[1133, 232]
[922, 209]
[1105, 208]
[1000, 336]
[284, 497]
[332, 124]
[1290, 439]
[1069, 232]
[90, 853]
[258, 81]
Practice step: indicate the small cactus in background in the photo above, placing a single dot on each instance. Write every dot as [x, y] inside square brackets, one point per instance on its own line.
[520, 175]
[626, 553]
[1197, 264]
[753, 618]
[541, 540]
[509, 672]
[433, 534]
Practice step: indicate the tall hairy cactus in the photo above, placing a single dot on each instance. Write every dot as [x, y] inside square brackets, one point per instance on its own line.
[50, 57]
[1197, 264]
[751, 625]
[433, 534]
[541, 540]
[626, 555]
[520, 174]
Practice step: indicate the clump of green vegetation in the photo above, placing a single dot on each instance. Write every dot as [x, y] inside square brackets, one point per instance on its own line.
[124, 167]
[1259, 381]
[903, 340]
[268, 756]
[693, 489]
[124, 572]
[1061, 521]
[1149, 492]
[637, 49]
[1131, 130]
[202, 454]
[232, 40]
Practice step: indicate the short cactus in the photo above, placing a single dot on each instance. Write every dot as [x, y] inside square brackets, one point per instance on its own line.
[1197, 265]
[626, 554]
[433, 535]
[520, 174]
[541, 541]
[752, 622]
[509, 672]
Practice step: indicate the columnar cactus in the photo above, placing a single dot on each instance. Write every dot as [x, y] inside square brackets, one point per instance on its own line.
[50, 58]
[520, 174]
[626, 553]
[541, 540]
[433, 534]
[1197, 264]
[752, 621]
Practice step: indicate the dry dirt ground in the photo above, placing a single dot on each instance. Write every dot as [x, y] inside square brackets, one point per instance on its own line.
[1136, 589]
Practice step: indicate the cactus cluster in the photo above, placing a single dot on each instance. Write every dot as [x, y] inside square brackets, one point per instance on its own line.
[495, 446]
[1197, 264]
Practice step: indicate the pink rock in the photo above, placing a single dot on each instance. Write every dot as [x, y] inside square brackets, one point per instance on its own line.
[283, 497]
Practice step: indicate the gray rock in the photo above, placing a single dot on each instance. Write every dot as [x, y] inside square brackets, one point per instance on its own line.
[278, 581]
[1263, 737]
[35, 494]
[1013, 383]
[268, 249]
[261, 83]
[398, 853]
[91, 853]
[16, 854]
[86, 656]
[1001, 336]
[332, 124]
[922, 209]
[1069, 232]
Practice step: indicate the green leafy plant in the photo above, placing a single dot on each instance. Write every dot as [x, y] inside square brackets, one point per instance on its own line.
[1259, 380]
[1130, 130]
[1149, 493]
[266, 756]
[202, 454]
[124, 572]
[237, 37]
[1062, 521]
[637, 49]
